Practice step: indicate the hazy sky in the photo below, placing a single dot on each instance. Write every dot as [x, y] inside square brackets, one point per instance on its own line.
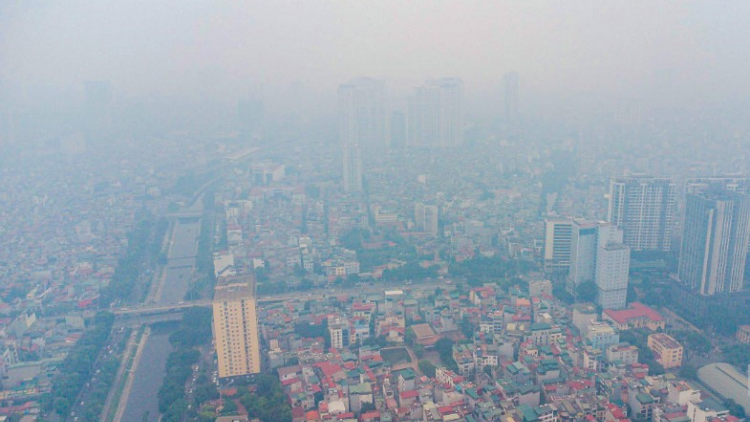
[687, 49]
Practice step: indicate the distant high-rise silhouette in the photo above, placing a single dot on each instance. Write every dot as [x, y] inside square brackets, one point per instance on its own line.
[643, 207]
[512, 87]
[715, 241]
[98, 110]
[363, 125]
[398, 129]
[250, 117]
[435, 114]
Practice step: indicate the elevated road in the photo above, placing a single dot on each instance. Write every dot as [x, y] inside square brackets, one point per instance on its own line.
[149, 312]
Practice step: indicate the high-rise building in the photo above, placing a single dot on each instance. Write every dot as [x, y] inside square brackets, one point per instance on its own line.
[582, 266]
[250, 117]
[435, 114]
[426, 218]
[338, 330]
[715, 241]
[557, 244]
[352, 168]
[612, 267]
[598, 255]
[512, 88]
[99, 117]
[235, 326]
[643, 207]
[730, 183]
[363, 125]
[398, 129]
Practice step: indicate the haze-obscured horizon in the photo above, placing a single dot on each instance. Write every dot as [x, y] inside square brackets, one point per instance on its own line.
[203, 57]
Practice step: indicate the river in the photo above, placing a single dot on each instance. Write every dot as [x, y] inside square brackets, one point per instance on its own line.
[143, 403]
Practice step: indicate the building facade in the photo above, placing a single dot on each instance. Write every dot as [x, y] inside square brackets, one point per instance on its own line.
[363, 125]
[667, 350]
[435, 114]
[612, 268]
[426, 218]
[557, 244]
[582, 254]
[235, 327]
[643, 207]
[715, 241]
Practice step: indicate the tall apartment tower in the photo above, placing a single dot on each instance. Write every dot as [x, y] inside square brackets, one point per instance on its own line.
[715, 241]
[512, 88]
[582, 254]
[435, 114]
[363, 125]
[557, 244]
[612, 267]
[643, 207]
[426, 218]
[730, 183]
[235, 326]
[98, 109]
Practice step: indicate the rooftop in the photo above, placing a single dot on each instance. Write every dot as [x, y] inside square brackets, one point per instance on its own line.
[636, 310]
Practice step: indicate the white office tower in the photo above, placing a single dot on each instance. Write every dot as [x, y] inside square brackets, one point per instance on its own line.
[612, 267]
[715, 241]
[426, 218]
[363, 125]
[435, 114]
[557, 242]
[582, 254]
[643, 207]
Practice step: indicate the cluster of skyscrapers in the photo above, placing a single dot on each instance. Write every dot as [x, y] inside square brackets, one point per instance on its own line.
[713, 249]
[434, 119]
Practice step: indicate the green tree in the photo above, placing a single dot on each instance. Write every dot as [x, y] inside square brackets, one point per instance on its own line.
[444, 348]
[488, 370]
[735, 409]
[230, 407]
[367, 407]
[694, 342]
[586, 292]
[688, 372]
[427, 368]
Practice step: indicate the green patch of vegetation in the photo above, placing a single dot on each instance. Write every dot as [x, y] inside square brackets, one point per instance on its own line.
[396, 356]
[444, 348]
[194, 330]
[268, 402]
[77, 367]
[737, 355]
[205, 278]
[144, 252]
[427, 368]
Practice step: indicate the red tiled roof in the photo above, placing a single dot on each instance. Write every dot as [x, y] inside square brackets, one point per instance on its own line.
[636, 310]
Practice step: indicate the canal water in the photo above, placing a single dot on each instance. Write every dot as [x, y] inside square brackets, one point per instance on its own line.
[143, 403]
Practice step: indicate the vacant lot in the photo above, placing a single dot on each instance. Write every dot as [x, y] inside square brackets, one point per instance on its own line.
[396, 356]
